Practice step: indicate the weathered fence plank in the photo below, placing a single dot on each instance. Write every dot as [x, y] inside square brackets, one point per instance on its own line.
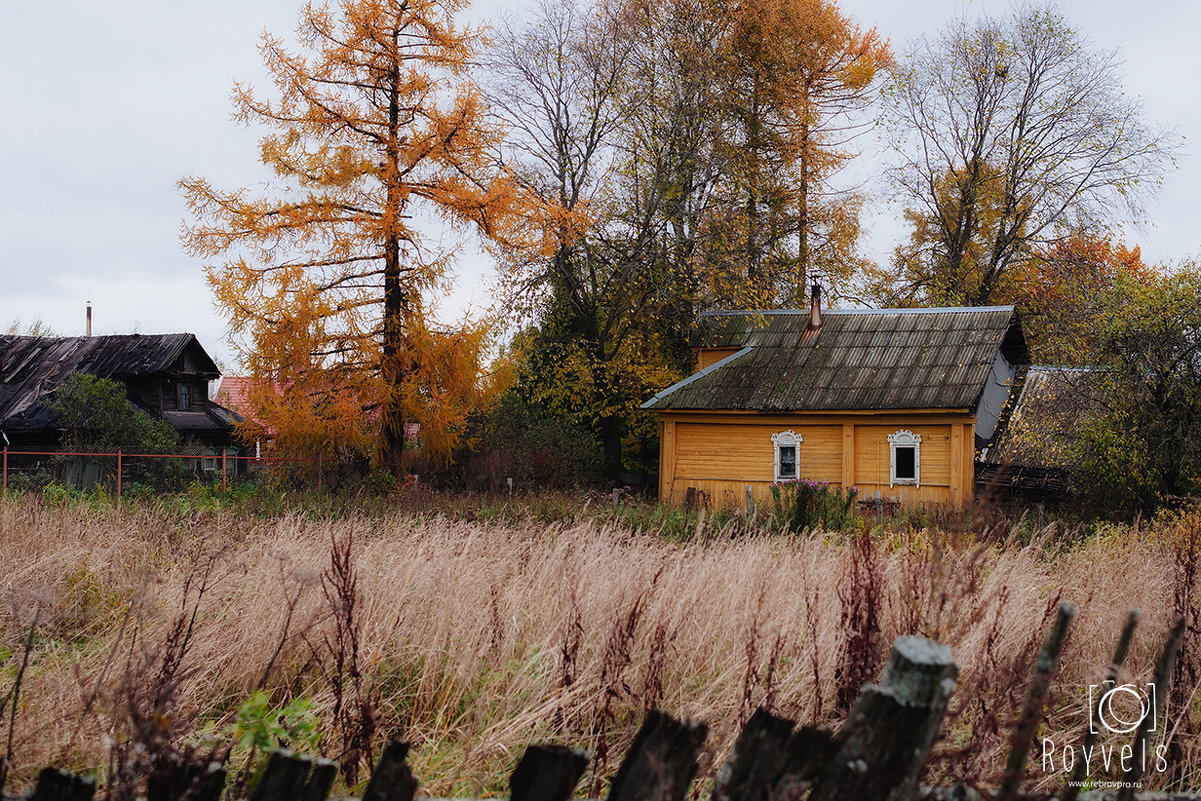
[61, 785]
[1163, 679]
[392, 780]
[759, 758]
[321, 779]
[881, 749]
[281, 778]
[547, 773]
[1032, 708]
[193, 781]
[810, 750]
[661, 761]
[1090, 733]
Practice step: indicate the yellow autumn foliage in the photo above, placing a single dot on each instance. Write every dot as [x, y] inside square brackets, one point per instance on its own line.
[326, 278]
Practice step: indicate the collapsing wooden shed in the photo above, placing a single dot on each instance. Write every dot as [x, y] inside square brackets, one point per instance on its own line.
[889, 400]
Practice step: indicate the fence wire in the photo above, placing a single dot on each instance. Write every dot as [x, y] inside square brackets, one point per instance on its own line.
[122, 473]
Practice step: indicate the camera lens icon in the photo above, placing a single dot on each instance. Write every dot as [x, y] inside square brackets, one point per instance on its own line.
[1120, 708]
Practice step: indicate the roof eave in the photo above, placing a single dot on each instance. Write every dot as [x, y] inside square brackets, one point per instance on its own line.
[695, 376]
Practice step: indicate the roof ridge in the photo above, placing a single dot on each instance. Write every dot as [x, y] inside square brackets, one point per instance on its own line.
[923, 310]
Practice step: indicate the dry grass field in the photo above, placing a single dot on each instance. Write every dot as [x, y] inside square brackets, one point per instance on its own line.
[475, 639]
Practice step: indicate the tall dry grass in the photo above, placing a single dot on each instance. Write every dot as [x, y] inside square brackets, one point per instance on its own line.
[473, 640]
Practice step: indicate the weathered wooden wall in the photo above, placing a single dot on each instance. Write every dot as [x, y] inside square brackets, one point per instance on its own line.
[719, 455]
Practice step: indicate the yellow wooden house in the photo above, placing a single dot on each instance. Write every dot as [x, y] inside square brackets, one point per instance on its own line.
[894, 401]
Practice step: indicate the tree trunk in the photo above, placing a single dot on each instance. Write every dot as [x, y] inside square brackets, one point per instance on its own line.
[393, 369]
[611, 439]
[803, 257]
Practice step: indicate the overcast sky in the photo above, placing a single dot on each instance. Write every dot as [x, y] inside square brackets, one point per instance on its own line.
[105, 106]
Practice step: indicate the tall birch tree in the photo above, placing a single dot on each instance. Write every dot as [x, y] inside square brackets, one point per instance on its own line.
[1011, 134]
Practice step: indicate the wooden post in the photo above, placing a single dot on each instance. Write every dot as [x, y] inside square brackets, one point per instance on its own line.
[1090, 733]
[1163, 679]
[757, 761]
[881, 749]
[281, 778]
[667, 459]
[391, 780]
[957, 446]
[750, 501]
[969, 463]
[118, 474]
[1032, 709]
[223, 470]
[547, 773]
[320, 780]
[661, 761]
[848, 455]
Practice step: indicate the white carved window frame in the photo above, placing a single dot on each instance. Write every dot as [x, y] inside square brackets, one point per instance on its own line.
[905, 439]
[787, 439]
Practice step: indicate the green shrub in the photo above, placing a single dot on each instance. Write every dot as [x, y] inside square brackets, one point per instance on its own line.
[259, 726]
[803, 504]
[536, 448]
[56, 494]
[97, 416]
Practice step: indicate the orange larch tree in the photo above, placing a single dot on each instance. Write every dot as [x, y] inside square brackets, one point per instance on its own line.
[327, 275]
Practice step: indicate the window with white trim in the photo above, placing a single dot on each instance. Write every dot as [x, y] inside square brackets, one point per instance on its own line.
[788, 452]
[904, 458]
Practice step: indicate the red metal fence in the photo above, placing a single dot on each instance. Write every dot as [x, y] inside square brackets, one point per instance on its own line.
[117, 470]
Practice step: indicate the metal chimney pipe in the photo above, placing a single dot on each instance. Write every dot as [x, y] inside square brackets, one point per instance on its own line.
[89, 318]
[815, 309]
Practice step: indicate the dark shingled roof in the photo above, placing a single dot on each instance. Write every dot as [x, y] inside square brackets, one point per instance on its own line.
[31, 368]
[1041, 430]
[857, 360]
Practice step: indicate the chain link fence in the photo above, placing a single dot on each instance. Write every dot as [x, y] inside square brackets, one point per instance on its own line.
[121, 473]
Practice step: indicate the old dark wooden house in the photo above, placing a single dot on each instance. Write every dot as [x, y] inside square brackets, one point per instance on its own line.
[165, 375]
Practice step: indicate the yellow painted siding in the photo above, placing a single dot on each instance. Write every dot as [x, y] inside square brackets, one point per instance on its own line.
[719, 456]
[872, 456]
[708, 356]
[746, 452]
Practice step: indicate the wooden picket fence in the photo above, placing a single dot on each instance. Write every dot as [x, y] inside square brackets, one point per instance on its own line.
[878, 753]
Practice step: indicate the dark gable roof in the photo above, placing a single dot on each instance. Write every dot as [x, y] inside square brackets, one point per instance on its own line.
[1041, 430]
[31, 368]
[857, 360]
